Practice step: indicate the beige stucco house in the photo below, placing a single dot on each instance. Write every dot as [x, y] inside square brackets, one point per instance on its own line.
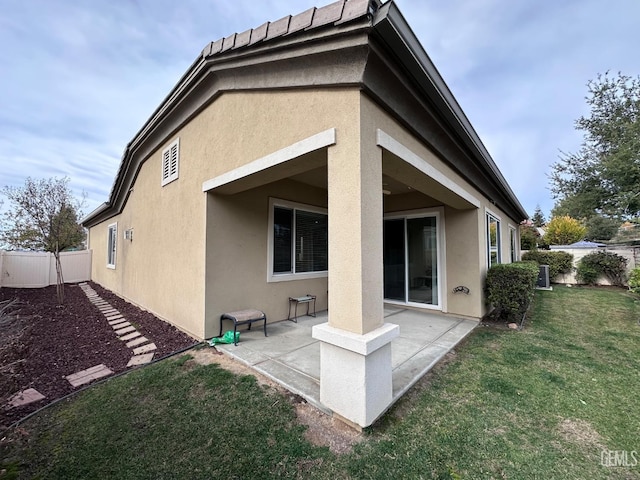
[321, 153]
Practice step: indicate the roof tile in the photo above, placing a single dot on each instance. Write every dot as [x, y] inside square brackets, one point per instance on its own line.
[259, 33]
[301, 21]
[354, 9]
[229, 42]
[328, 14]
[278, 28]
[242, 39]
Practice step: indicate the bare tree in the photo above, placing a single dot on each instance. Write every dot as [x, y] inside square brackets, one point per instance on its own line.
[43, 216]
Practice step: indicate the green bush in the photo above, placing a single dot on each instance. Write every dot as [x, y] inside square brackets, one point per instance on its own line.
[597, 264]
[559, 262]
[510, 288]
[634, 280]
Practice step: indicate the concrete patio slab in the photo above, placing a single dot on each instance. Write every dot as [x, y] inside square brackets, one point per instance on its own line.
[291, 357]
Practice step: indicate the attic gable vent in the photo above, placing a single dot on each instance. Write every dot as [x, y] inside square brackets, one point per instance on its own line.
[170, 162]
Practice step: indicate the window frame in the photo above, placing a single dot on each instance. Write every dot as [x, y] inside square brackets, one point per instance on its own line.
[288, 276]
[112, 245]
[513, 243]
[489, 216]
[167, 163]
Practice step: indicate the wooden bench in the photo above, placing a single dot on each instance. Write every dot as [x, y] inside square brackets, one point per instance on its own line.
[308, 299]
[243, 317]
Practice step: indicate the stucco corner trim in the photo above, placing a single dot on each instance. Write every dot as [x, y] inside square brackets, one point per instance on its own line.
[308, 145]
[362, 344]
[392, 145]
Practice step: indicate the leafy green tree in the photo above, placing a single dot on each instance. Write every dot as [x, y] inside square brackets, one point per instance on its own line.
[43, 216]
[603, 176]
[538, 217]
[564, 230]
[528, 237]
[601, 228]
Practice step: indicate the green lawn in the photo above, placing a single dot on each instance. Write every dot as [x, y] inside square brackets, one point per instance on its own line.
[542, 403]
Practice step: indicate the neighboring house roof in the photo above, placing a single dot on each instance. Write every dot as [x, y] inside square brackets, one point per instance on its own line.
[580, 244]
[314, 49]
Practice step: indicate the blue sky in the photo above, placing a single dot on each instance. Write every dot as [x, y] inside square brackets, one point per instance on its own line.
[79, 79]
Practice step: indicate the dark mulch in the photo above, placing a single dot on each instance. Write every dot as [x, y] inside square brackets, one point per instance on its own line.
[46, 342]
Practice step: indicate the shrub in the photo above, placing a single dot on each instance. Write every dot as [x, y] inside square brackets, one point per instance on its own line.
[510, 288]
[634, 280]
[597, 264]
[564, 230]
[559, 262]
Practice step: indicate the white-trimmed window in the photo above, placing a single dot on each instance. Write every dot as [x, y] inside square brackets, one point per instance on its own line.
[513, 240]
[170, 162]
[298, 241]
[493, 240]
[112, 237]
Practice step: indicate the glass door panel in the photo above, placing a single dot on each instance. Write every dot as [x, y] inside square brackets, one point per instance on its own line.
[394, 260]
[422, 249]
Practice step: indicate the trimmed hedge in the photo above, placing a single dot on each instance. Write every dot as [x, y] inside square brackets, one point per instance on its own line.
[597, 264]
[559, 262]
[510, 288]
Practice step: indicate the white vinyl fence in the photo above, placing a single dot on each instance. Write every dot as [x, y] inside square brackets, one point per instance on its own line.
[38, 269]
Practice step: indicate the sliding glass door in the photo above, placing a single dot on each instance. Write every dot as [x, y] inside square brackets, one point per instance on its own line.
[411, 260]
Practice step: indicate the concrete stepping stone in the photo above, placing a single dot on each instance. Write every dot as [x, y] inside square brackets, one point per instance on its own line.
[120, 325]
[119, 319]
[130, 336]
[144, 349]
[88, 375]
[136, 342]
[110, 313]
[114, 317]
[140, 359]
[25, 397]
[124, 330]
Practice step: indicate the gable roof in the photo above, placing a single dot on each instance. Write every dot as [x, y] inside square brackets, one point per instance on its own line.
[372, 39]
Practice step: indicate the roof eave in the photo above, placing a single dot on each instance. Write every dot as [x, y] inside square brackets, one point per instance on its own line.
[391, 26]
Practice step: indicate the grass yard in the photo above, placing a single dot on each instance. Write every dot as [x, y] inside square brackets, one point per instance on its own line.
[542, 403]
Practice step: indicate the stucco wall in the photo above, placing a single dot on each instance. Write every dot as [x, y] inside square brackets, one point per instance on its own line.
[465, 247]
[163, 269]
[195, 255]
[237, 253]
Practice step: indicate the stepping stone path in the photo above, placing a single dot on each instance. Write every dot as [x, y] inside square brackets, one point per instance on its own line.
[142, 351]
[142, 348]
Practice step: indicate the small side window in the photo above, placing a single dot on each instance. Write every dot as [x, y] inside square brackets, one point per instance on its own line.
[171, 162]
[112, 238]
[493, 240]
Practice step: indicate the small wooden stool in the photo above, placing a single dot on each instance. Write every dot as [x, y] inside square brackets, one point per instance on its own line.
[243, 317]
[308, 298]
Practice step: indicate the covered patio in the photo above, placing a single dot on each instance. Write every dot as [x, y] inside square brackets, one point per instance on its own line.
[291, 356]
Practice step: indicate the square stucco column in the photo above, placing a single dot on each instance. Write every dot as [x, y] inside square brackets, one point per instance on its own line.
[355, 351]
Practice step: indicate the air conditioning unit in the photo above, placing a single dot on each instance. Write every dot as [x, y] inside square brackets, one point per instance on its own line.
[543, 278]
